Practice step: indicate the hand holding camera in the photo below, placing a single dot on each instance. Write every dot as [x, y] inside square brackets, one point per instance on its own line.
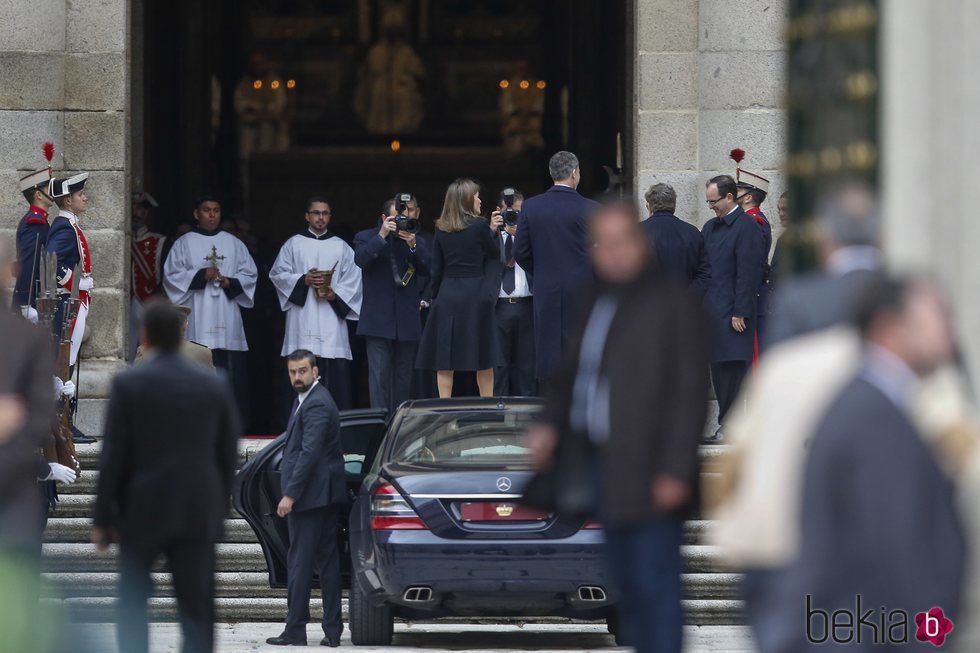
[496, 220]
[388, 226]
[510, 214]
[403, 221]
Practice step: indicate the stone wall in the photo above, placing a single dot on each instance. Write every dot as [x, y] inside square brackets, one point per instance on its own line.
[930, 142]
[709, 78]
[65, 68]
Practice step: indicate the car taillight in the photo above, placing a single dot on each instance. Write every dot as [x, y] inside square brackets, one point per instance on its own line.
[592, 523]
[390, 511]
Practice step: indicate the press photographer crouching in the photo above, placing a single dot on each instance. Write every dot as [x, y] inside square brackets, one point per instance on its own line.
[391, 258]
[515, 311]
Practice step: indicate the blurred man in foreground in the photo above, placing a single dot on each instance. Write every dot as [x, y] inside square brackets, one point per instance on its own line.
[628, 409]
[171, 443]
[879, 521]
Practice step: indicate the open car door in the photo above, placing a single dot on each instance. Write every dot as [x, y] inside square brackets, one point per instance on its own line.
[256, 492]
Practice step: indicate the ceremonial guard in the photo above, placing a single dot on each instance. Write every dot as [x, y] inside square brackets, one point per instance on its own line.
[147, 265]
[735, 249]
[319, 288]
[66, 241]
[32, 235]
[211, 272]
[752, 192]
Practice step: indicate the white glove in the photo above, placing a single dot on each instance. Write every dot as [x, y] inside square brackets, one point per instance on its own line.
[68, 389]
[58, 385]
[86, 284]
[29, 313]
[60, 473]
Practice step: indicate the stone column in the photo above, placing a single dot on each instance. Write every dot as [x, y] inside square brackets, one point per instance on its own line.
[710, 77]
[66, 69]
[930, 140]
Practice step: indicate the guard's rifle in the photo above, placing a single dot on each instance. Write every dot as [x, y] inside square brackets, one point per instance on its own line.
[61, 448]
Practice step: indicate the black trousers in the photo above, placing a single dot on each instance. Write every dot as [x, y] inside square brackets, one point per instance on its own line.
[390, 367]
[191, 562]
[313, 546]
[424, 381]
[727, 377]
[515, 325]
[234, 364]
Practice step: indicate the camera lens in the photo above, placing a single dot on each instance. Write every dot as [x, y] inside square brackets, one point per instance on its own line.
[409, 225]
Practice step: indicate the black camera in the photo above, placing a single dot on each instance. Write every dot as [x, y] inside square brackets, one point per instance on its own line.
[509, 214]
[402, 221]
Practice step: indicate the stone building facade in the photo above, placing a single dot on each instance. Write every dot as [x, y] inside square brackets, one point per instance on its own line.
[709, 76]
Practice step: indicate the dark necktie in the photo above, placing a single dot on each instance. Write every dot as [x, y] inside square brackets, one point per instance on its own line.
[292, 411]
[510, 280]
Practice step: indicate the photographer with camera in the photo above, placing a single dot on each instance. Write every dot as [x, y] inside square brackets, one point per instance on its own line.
[392, 258]
[515, 310]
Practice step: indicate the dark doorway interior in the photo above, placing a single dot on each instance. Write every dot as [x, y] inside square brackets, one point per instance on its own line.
[267, 102]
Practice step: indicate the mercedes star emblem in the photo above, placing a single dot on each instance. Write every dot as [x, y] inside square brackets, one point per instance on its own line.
[503, 483]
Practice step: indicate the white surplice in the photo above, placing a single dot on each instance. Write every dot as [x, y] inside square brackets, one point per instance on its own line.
[313, 323]
[216, 319]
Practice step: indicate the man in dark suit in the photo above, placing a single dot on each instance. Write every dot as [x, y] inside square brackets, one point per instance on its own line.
[678, 245]
[627, 411]
[880, 520]
[515, 315]
[736, 254]
[391, 262]
[313, 488]
[551, 245]
[847, 247]
[168, 460]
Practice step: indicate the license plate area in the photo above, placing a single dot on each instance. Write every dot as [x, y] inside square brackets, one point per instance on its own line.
[475, 512]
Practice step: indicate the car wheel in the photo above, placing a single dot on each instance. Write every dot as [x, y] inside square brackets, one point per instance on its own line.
[612, 623]
[370, 625]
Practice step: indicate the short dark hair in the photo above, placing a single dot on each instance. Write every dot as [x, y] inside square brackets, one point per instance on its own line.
[205, 197]
[164, 326]
[303, 355]
[726, 185]
[314, 199]
[30, 193]
[387, 206]
[661, 197]
[881, 296]
[561, 165]
[758, 196]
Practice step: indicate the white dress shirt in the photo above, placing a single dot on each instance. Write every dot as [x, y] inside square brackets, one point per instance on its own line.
[521, 288]
[303, 395]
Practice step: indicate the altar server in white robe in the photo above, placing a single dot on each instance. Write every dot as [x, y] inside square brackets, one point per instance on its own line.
[212, 273]
[317, 321]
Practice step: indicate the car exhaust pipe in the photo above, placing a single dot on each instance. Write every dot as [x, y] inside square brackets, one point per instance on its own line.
[591, 593]
[417, 595]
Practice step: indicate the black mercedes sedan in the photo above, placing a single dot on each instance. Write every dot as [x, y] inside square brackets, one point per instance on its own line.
[436, 528]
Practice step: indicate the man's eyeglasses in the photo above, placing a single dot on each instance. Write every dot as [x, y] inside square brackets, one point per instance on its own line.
[319, 214]
[715, 201]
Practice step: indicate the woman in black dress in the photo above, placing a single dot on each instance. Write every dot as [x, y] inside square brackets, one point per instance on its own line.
[461, 332]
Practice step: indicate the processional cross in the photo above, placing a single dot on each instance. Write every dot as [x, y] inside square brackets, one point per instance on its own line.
[214, 259]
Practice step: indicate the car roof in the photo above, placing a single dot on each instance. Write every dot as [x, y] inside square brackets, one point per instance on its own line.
[471, 403]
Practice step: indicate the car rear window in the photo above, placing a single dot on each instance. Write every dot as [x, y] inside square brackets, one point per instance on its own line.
[478, 438]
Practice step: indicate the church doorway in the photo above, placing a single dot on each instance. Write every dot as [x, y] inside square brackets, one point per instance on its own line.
[267, 102]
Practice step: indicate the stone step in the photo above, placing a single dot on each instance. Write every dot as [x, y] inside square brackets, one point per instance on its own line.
[101, 609]
[77, 529]
[256, 585]
[232, 557]
[74, 506]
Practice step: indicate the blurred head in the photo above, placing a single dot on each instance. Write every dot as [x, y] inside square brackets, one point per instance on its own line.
[847, 216]
[462, 199]
[720, 194]
[302, 370]
[910, 318]
[620, 250]
[318, 214]
[141, 211]
[782, 207]
[162, 328]
[661, 197]
[564, 169]
[207, 212]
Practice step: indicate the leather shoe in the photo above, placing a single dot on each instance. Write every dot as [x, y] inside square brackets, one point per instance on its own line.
[332, 643]
[282, 640]
[80, 438]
